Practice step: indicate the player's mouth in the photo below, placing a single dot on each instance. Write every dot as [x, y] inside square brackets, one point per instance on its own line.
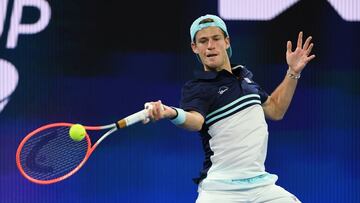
[211, 55]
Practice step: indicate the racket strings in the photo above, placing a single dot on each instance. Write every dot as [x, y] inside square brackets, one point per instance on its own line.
[51, 153]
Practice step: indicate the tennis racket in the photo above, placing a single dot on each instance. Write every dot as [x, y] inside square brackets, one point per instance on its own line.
[48, 155]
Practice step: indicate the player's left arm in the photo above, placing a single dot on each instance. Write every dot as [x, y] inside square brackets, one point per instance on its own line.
[278, 102]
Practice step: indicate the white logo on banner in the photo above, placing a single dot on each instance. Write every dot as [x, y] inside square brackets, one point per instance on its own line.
[9, 76]
[265, 10]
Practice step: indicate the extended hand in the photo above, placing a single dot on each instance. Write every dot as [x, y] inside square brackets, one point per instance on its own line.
[298, 59]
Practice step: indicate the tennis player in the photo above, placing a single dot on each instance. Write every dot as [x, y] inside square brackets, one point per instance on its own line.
[229, 110]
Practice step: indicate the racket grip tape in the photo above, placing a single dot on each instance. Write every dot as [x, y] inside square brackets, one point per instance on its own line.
[133, 118]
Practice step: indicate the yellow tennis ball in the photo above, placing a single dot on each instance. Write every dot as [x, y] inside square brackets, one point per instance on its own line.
[77, 132]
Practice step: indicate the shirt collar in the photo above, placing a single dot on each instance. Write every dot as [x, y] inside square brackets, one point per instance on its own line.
[209, 75]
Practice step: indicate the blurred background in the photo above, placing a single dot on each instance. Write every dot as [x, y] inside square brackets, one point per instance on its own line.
[94, 62]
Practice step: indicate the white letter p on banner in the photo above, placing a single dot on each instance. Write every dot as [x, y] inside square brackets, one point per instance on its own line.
[16, 28]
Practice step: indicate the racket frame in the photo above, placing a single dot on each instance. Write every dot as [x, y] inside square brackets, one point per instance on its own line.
[125, 122]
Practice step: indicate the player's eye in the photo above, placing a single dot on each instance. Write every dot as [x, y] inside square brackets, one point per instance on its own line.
[217, 38]
[202, 41]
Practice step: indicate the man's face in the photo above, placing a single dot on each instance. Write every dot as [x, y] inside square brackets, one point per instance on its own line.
[210, 45]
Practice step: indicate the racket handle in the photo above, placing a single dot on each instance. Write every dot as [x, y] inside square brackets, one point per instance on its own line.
[133, 118]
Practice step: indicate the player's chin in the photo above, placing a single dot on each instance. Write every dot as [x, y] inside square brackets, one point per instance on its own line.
[212, 62]
[212, 66]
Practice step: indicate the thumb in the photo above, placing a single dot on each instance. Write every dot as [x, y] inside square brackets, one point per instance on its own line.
[146, 121]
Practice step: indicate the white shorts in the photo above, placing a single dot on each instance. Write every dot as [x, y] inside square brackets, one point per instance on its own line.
[270, 193]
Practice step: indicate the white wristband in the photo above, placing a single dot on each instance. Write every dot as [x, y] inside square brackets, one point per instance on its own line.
[180, 118]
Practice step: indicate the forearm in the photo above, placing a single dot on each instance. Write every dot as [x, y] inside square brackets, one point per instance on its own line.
[277, 104]
[282, 96]
[191, 120]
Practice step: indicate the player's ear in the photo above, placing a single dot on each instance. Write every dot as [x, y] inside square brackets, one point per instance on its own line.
[194, 48]
[227, 41]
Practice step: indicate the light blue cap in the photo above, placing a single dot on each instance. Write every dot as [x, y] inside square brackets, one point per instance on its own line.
[217, 22]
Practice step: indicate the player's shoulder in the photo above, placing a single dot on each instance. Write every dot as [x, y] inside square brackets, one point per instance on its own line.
[192, 84]
[196, 87]
[199, 78]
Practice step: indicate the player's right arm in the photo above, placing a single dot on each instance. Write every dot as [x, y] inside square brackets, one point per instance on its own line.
[193, 119]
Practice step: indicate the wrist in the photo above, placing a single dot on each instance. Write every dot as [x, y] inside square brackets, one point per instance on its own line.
[180, 116]
[174, 113]
[293, 74]
[293, 70]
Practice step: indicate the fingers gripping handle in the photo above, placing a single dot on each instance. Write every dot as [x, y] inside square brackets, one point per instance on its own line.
[149, 106]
